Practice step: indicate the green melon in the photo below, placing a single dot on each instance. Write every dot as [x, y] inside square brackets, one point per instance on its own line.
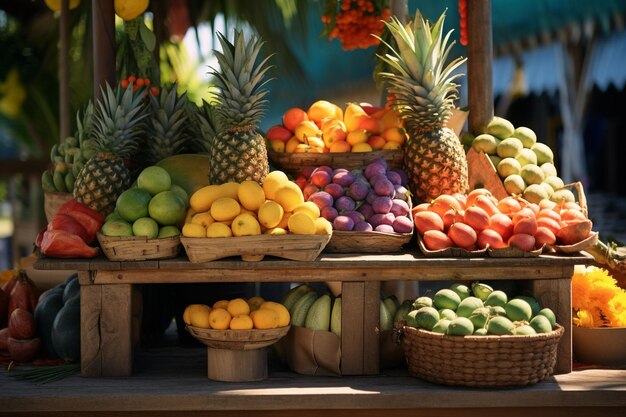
[187, 170]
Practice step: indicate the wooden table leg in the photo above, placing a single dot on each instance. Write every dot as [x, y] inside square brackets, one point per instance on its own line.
[556, 294]
[107, 330]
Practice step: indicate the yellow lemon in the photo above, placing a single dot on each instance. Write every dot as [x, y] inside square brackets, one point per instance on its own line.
[221, 304]
[219, 319]
[275, 231]
[245, 225]
[55, 5]
[251, 195]
[241, 322]
[362, 147]
[309, 208]
[205, 219]
[323, 226]
[270, 214]
[272, 182]
[265, 319]
[390, 145]
[189, 215]
[225, 208]
[280, 310]
[238, 306]
[218, 230]
[229, 189]
[193, 230]
[130, 9]
[255, 302]
[202, 199]
[289, 195]
[195, 312]
[301, 224]
[285, 220]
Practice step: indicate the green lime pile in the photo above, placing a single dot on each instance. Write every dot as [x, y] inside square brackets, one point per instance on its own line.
[479, 310]
[154, 208]
[525, 166]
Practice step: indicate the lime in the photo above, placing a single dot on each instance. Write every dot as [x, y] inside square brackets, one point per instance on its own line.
[147, 227]
[167, 208]
[154, 179]
[168, 231]
[181, 193]
[117, 228]
[133, 204]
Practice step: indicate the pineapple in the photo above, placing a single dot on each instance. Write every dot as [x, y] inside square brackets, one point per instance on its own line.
[168, 125]
[424, 93]
[117, 127]
[238, 150]
[204, 125]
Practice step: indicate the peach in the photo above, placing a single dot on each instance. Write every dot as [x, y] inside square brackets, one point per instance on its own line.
[547, 204]
[420, 207]
[333, 130]
[572, 214]
[491, 238]
[278, 132]
[444, 203]
[522, 242]
[524, 212]
[376, 142]
[462, 235]
[314, 141]
[307, 129]
[372, 125]
[486, 203]
[427, 220]
[436, 240]
[462, 198]
[357, 136]
[502, 224]
[508, 205]
[291, 144]
[544, 236]
[525, 225]
[391, 118]
[549, 214]
[395, 134]
[476, 218]
[340, 146]
[293, 117]
[549, 223]
[320, 110]
[471, 197]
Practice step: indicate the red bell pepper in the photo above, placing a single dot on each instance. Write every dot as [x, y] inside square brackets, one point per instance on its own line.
[73, 206]
[62, 244]
[69, 224]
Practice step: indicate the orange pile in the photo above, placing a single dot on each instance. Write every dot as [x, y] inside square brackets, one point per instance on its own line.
[237, 314]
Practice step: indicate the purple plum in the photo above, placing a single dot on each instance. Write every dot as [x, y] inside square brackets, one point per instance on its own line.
[345, 203]
[379, 218]
[329, 213]
[394, 177]
[374, 168]
[373, 180]
[339, 170]
[384, 187]
[354, 215]
[402, 192]
[343, 178]
[363, 226]
[399, 207]
[335, 190]
[324, 168]
[384, 228]
[371, 196]
[405, 178]
[321, 199]
[382, 205]
[366, 210]
[358, 190]
[402, 225]
[309, 190]
[343, 223]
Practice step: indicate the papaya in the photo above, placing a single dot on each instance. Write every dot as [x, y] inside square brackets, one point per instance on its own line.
[45, 313]
[189, 171]
[66, 331]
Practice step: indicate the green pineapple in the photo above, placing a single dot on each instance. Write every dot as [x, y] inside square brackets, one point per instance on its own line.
[424, 90]
[204, 125]
[238, 152]
[168, 131]
[118, 126]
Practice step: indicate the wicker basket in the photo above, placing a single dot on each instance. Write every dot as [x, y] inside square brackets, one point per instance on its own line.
[139, 248]
[255, 248]
[238, 339]
[367, 242]
[292, 163]
[52, 202]
[480, 361]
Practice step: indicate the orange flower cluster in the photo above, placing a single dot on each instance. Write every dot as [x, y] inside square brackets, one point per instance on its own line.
[596, 299]
[356, 22]
[463, 21]
[137, 83]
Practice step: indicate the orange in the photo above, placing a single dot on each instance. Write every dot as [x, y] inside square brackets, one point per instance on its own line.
[220, 304]
[219, 319]
[241, 322]
[320, 110]
[280, 310]
[238, 306]
[264, 318]
[197, 315]
[255, 302]
[293, 117]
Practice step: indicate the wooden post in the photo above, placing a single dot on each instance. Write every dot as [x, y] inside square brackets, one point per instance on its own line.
[103, 16]
[64, 73]
[479, 68]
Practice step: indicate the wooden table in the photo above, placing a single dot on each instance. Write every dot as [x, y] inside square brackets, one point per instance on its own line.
[110, 319]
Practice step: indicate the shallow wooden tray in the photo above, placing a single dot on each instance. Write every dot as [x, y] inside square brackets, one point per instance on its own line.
[138, 248]
[367, 242]
[238, 339]
[255, 248]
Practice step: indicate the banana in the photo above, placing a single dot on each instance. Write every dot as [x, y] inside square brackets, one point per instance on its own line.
[335, 317]
[54, 151]
[69, 181]
[386, 319]
[68, 158]
[59, 181]
[78, 156]
[301, 308]
[403, 310]
[318, 316]
[47, 183]
[481, 290]
[76, 167]
[294, 294]
[72, 141]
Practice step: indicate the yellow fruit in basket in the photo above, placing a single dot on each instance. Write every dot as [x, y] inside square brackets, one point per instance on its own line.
[251, 195]
[362, 147]
[202, 199]
[221, 304]
[241, 322]
[270, 214]
[323, 226]
[205, 219]
[245, 225]
[225, 208]
[193, 230]
[218, 229]
[289, 195]
[272, 182]
[309, 208]
[229, 189]
[219, 319]
[238, 306]
[285, 220]
[283, 314]
[390, 146]
[197, 315]
[255, 302]
[276, 231]
[265, 319]
[292, 144]
[189, 215]
[301, 224]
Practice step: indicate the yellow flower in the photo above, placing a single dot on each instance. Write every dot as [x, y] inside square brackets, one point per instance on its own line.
[596, 298]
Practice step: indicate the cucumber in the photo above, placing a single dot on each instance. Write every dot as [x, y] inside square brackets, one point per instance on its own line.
[301, 308]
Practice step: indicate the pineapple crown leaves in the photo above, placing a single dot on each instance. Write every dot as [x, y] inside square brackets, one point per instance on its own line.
[418, 76]
[168, 110]
[119, 121]
[205, 124]
[240, 81]
[84, 124]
